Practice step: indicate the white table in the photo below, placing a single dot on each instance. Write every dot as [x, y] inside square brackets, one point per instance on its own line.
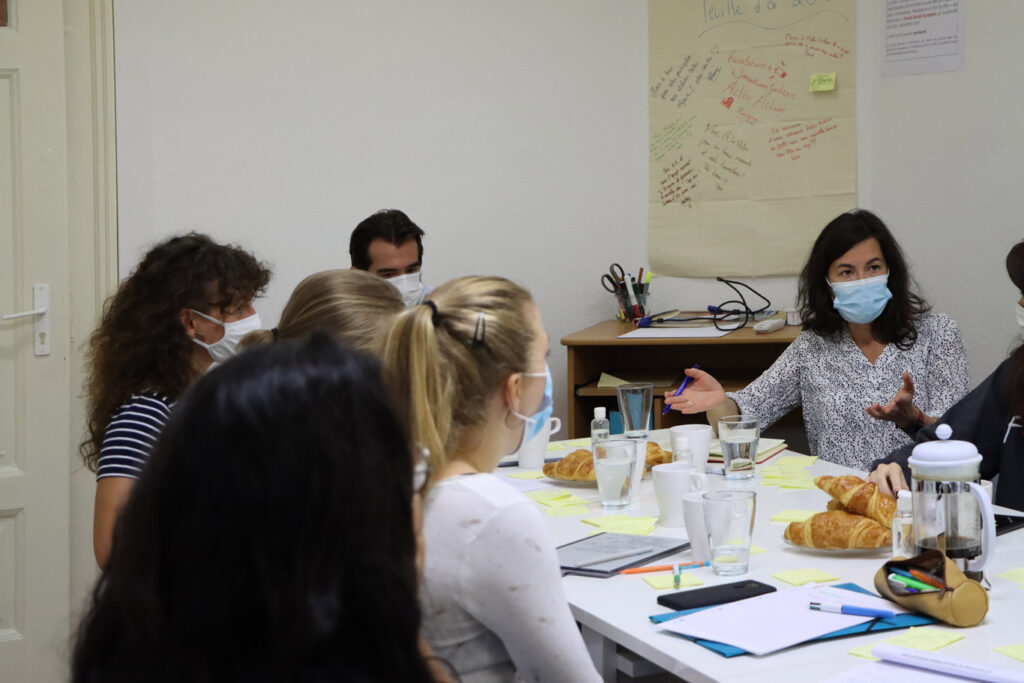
[615, 611]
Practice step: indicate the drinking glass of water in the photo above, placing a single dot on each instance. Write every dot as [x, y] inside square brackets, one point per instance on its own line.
[635, 402]
[613, 466]
[738, 436]
[729, 520]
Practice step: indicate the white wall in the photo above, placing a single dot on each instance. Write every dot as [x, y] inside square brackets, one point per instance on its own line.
[515, 134]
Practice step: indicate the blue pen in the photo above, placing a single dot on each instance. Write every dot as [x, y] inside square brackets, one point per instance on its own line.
[853, 610]
[686, 380]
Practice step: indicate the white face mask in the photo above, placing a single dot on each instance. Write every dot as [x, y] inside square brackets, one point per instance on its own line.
[1020, 314]
[227, 346]
[410, 286]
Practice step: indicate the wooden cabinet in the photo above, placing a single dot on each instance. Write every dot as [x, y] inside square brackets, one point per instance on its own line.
[735, 360]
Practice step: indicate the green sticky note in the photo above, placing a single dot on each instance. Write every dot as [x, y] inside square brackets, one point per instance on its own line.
[924, 638]
[1015, 651]
[793, 515]
[798, 577]
[662, 582]
[822, 82]
[526, 474]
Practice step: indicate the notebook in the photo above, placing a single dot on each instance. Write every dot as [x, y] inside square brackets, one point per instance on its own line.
[583, 557]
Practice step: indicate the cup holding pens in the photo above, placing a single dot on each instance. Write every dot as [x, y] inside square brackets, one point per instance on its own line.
[614, 467]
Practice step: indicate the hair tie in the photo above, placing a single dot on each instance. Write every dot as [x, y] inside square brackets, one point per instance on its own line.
[435, 316]
[273, 331]
[480, 329]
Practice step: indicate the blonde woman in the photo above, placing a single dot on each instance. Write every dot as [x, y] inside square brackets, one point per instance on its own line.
[352, 305]
[471, 363]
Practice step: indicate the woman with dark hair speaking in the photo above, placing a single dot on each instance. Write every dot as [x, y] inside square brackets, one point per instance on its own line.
[868, 342]
[270, 537]
[991, 417]
[186, 305]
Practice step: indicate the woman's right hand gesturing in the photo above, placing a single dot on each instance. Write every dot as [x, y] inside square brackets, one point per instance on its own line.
[701, 394]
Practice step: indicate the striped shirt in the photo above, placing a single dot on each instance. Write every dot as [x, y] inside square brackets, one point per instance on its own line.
[132, 433]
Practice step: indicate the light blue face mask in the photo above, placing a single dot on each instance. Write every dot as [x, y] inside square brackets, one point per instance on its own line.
[539, 420]
[861, 301]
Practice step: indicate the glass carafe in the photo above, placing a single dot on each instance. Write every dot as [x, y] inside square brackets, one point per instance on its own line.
[951, 511]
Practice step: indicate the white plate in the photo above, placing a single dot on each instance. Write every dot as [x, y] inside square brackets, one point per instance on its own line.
[840, 552]
[574, 482]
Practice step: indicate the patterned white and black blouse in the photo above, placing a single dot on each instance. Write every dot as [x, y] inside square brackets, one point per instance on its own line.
[834, 382]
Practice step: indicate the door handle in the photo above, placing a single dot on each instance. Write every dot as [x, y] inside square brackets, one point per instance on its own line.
[41, 313]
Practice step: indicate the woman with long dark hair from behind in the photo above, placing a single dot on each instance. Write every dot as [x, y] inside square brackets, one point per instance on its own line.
[187, 304]
[991, 417]
[270, 537]
[868, 342]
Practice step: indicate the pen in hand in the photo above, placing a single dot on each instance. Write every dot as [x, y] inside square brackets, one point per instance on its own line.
[686, 381]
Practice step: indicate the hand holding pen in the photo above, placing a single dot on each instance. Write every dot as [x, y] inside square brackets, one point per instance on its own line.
[703, 392]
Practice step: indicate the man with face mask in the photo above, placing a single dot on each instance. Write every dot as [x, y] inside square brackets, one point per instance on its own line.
[390, 245]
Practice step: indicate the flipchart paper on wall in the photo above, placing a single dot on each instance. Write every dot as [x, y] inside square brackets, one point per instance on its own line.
[752, 132]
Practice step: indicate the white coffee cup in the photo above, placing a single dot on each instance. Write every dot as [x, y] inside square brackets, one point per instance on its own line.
[986, 486]
[699, 438]
[531, 454]
[693, 518]
[672, 481]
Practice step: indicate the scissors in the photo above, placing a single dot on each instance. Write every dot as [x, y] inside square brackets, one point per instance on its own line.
[615, 280]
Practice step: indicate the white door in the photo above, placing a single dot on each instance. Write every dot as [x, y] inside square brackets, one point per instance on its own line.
[35, 390]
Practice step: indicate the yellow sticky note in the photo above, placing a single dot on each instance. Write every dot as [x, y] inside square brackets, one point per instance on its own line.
[1015, 651]
[662, 582]
[864, 651]
[547, 496]
[1013, 575]
[795, 460]
[793, 515]
[566, 510]
[526, 474]
[798, 577]
[567, 501]
[623, 524]
[556, 447]
[924, 638]
[755, 549]
[576, 443]
[797, 484]
[822, 82]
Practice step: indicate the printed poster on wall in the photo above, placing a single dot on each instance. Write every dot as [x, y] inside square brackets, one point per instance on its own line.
[752, 132]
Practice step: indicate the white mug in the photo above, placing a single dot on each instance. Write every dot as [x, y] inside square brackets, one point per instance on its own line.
[699, 438]
[672, 481]
[531, 454]
[693, 518]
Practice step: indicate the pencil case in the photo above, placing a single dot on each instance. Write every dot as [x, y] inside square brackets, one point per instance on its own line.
[962, 602]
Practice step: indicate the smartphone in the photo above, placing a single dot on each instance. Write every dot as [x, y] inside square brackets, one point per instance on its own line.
[714, 595]
[1006, 523]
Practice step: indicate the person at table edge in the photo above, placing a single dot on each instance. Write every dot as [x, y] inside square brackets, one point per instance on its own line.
[868, 340]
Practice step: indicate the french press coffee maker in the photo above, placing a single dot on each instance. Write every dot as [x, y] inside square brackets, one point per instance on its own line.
[951, 511]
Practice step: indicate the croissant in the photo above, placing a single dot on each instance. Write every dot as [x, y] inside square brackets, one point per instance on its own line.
[860, 497]
[577, 466]
[836, 529]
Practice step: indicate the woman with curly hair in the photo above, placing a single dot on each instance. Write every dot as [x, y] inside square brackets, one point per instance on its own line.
[185, 306]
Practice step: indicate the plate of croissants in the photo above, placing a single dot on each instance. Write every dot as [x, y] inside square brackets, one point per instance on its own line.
[857, 521]
[577, 468]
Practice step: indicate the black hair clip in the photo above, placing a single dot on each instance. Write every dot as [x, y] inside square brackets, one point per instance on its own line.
[480, 329]
[435, 316]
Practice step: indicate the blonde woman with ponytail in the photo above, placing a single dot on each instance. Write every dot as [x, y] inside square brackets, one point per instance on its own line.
[354, 306]
[470, 362]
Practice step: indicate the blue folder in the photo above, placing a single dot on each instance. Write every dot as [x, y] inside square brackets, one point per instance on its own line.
[892, 623]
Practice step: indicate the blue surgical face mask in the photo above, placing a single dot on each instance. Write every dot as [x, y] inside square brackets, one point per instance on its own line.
[539, 420]
[861, 301]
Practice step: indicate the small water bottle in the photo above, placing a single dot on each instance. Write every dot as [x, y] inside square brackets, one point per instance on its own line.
[681, 450]
[903, 526]
[599, 428]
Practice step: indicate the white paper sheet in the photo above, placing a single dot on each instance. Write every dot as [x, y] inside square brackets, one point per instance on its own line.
[709, 332]
[777, 620]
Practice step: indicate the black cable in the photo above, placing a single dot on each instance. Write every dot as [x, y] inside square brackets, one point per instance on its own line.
[721, 312]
